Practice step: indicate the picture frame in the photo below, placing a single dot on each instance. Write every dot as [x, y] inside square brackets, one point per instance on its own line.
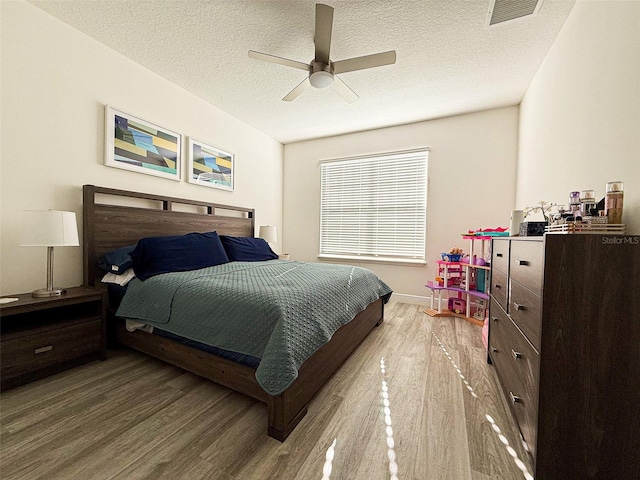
[210, 166]
[138, 145]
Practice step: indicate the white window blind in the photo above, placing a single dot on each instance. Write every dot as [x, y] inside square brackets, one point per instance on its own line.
[374, 207]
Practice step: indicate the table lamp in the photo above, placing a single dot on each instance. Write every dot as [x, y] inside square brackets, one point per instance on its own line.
[49, 228]
[269, 233]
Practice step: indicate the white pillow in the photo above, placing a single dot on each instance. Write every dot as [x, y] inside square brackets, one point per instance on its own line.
[121, 279]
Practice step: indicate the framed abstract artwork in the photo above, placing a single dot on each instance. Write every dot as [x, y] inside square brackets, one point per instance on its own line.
[209, 166]
[140, 146]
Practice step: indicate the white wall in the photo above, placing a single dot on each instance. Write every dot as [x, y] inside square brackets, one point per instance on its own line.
[55, 83]
[471, 184]
[580, 117]
[577, 128]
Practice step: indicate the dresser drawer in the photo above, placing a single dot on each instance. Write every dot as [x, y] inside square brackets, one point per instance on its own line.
[500, 255]
[525, 310]
[507, 339]
[498, 320]
[516, 364]
[522, 405]
[499, 287]
[525, 266]
[29, 353]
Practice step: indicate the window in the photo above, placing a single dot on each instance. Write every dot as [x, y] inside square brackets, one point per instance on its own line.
[374, 207]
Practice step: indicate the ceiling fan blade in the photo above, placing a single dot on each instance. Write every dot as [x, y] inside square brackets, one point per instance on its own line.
[293, 94]
[322, 39]
[343, 90]
[368, 61]
[282, 61]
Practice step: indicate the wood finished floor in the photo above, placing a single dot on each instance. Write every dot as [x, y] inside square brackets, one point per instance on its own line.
[133, 417]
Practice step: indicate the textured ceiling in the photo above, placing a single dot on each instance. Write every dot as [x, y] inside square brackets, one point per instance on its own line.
[448, 61]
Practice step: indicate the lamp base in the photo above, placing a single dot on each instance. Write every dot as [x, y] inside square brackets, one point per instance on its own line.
[45, 292]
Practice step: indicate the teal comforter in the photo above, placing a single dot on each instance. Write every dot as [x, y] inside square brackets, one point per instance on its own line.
[279, 311]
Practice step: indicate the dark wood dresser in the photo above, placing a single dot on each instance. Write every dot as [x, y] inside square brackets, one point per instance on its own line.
[564, 338]
[42, 336]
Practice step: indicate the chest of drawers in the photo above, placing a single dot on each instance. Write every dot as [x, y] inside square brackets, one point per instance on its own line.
[564, 338]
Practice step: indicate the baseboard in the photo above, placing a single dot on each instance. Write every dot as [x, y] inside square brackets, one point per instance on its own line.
[414, 299]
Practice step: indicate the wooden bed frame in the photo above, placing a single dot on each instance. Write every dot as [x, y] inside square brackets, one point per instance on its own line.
[117, 218]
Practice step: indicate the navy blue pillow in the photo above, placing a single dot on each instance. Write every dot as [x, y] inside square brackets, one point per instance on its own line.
[117, 261]
[247, 249]
[177, 253]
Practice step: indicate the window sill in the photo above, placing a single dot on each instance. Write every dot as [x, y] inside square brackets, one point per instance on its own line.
[383, 260]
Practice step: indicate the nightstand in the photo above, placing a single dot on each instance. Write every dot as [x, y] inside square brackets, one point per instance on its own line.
[42, 336]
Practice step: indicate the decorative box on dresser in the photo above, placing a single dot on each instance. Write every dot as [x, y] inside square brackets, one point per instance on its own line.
[564, 337]
[42, 336]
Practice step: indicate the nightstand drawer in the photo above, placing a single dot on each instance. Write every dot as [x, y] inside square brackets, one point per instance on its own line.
[526, 264]
[48, 348]
[524, 309]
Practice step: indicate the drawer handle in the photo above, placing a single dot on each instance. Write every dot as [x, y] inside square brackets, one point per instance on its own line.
[495, 319]
[518, 306]
[498, 255]
[48, 348]
[523, 262]
[494, 349]
[498, 286]
[514, 398]
[515, 354]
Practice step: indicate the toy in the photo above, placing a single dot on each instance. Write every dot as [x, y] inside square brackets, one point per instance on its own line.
[479, 261]
[479, 308]
[488, 232]
[461, 281]
[453, 255]
[481, 279]
[457, 305]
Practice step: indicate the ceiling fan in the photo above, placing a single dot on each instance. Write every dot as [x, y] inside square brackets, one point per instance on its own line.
[322, 71]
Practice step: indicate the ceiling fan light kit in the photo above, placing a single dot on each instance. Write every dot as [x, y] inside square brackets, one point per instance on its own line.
[322, 70]
[321, 75]
[321, 79]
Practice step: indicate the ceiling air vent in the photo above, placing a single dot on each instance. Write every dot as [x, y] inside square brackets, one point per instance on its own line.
[501, 11]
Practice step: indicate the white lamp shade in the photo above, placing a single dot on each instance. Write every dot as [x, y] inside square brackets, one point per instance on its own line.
[269, 233]
[49, 228]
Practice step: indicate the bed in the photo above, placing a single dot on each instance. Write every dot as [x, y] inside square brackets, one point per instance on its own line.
[117, 218]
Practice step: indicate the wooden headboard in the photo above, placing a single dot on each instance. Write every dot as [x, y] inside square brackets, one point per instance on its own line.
[117, 218]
